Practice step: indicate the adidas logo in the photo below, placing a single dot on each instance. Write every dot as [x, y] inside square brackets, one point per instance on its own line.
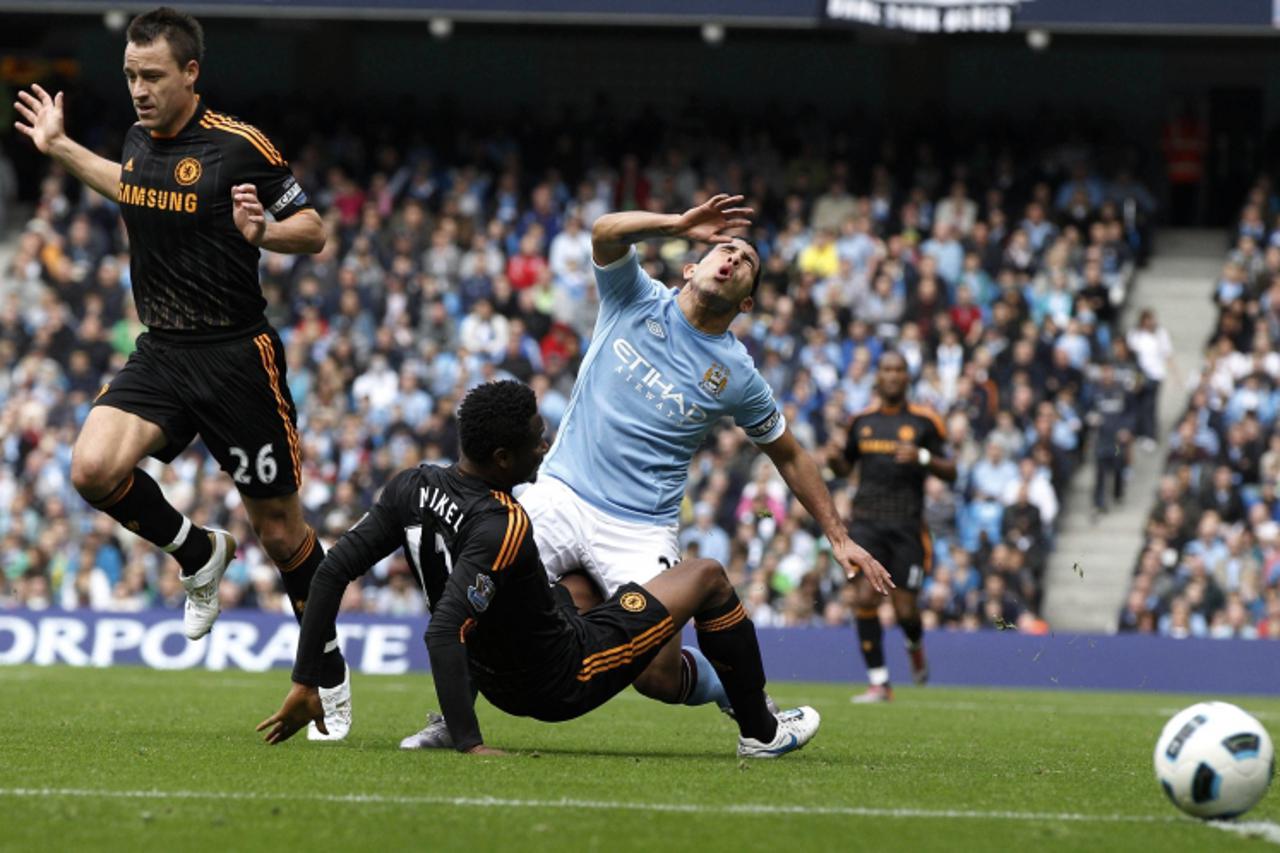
[655, 329]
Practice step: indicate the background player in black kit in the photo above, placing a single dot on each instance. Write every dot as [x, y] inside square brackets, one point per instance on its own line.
[896, 444]
[496, 622]
[194, 187]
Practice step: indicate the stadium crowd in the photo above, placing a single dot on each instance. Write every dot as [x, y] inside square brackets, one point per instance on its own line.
[998, 275]
[1210, 562]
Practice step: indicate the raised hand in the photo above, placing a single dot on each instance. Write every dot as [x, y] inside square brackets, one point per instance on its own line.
[708, 221]
[41, 117]
[247, 213]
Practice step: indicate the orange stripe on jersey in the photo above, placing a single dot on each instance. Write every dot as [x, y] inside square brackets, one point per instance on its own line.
[268, 355]
[265, 150]
[926, 412]
[517, 527]
[227, 120]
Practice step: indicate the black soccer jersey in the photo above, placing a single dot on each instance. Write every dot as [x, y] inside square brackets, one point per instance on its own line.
[473, 550]
[192, 269]
[887, 489]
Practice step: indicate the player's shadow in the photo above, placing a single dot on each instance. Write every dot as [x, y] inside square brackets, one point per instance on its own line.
[625, 753]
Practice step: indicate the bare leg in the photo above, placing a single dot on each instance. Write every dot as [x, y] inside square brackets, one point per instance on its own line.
[111, 444]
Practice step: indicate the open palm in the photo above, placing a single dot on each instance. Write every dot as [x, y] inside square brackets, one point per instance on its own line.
[41, 116]
[708, 221]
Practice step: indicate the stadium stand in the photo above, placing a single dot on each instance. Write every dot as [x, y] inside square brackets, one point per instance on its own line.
[998, 270]
[1210, 561]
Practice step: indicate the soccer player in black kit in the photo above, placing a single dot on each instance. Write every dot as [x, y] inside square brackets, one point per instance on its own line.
[495, 621]
[896, 444]
[194, 188]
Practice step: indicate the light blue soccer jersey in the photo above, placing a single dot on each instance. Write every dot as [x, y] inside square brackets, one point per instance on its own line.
[649, 388]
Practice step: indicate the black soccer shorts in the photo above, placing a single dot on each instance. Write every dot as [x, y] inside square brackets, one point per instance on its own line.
[231, 394]
[613, 643]
[905, 548]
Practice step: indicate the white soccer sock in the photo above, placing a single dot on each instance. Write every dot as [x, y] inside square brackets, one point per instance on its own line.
[878, 676]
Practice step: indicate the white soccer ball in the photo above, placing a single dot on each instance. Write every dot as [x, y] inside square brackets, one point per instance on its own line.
[1213, 760]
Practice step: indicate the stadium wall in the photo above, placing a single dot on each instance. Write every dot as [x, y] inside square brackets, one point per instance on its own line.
[488, 69]
[255, 641]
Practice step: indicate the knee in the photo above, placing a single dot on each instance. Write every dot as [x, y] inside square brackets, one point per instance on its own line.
[710, 574]
[276, 537]
[94, 475]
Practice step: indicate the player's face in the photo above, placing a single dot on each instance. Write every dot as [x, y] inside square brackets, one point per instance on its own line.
[529, 458]
[891, 378]
[161, 91]
[724, 276]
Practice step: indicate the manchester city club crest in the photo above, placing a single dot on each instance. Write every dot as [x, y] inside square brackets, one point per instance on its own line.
[715, 379]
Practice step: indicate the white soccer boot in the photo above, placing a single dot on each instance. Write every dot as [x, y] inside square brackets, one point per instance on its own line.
[796, 727]
[434, 736]
[337, 710]
[202, 607]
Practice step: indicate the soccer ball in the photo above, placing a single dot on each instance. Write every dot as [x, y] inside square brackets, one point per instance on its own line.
[1214, 760]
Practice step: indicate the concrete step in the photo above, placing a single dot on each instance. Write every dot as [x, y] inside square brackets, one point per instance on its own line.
[1177, 285]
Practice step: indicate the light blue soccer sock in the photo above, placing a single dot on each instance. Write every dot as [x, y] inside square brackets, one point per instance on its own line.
[706, 686]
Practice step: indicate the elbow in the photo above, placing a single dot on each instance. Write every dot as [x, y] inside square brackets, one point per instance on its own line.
[315, 242]
[600, 230]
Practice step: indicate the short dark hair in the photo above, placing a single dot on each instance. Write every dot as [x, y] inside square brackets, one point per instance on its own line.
[888, 352]
[495, 415]
[755, 282]
[183, 33]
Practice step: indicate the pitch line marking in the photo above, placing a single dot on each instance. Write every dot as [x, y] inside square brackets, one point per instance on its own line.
[916, 703]
[1263, 830]
[743, 809]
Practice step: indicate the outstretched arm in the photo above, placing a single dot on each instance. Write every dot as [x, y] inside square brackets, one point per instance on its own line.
[801, 473]
[42, 122]
[613, 233]
[373, 537]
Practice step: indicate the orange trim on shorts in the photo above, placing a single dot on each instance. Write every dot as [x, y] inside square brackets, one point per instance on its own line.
[611, 659]
[467, 625]
[926, 540]
[725, 622]
[268, 355]
[117, 494]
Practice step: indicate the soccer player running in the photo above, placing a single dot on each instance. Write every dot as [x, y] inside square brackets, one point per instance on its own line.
[896, 444]
[496, 622]
[194, 188]
[661, 370]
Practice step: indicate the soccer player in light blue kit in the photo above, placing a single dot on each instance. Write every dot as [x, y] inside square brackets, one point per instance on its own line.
[661, 370]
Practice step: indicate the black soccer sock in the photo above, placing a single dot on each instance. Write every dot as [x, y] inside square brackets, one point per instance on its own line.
[914, 629]
[139, 505]
[297, 572]
[871, 635]
[728, 639]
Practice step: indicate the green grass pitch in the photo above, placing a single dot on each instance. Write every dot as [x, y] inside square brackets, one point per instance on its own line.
[132, 759]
